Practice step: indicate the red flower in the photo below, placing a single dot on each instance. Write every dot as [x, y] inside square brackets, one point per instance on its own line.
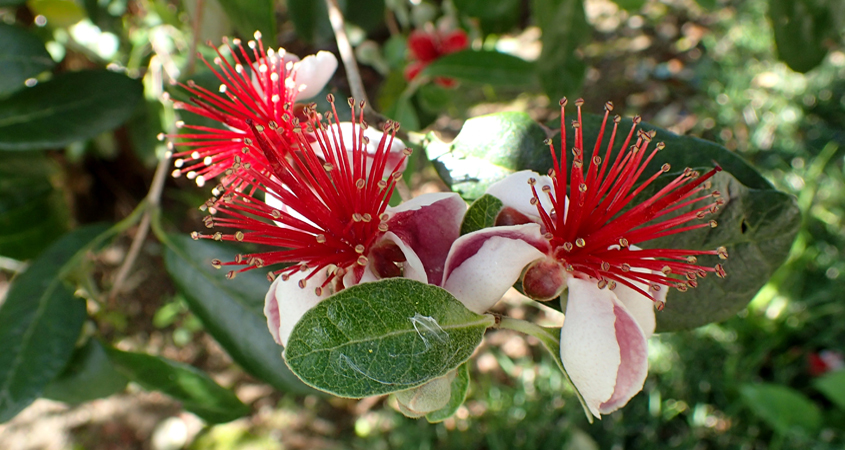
[426, 47]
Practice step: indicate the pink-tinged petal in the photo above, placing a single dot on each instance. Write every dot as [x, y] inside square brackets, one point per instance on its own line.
[313, 72]
[482, 265]
[414, 268]
[286, 303]
[640, 306]
[428, 225]
[395, 152]
[514, 191]
[603, 349]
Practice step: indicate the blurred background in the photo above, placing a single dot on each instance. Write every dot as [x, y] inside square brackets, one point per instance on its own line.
[82, 88]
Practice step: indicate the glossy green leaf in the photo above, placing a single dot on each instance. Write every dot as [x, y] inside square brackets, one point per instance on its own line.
[249, 16]
[33, 213]
[39, 323]
[71, 107]
[232, 311]
[382, 337]
[782, 408]
[801, 28]
[487, 149]
[757, 225]
[832, 385]
[197, 392]
[59, 13]
[481, 214]
[22, 56]
[89, 375]
[483, 66]
[565, 29]
[460, 388]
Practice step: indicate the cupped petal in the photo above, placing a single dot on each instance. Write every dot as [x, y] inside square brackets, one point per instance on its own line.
[514, 191]
[313, 72]
[482, 265]
[428, 225]
[286, 303]
[603, 349]
[640, 306]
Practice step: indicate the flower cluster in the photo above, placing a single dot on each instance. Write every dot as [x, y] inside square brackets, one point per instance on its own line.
[314, 193]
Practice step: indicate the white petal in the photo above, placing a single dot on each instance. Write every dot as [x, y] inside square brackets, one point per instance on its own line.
[482, 265]
[313, 72]
[394, 156]
[286, 303]
[414, 268]
[514, 191]
[602, 347]
[640, 306]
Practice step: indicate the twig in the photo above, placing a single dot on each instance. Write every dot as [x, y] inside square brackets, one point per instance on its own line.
[153, 200]
[347, 55]
[197, 22]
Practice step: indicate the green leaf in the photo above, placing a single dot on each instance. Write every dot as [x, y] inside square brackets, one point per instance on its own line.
[495, 16]
[487, 149]
[89, 375]
[782, 408]
[832, 385]
[630, 5]
[232, 311]
[483, 66]
[5, 3]
[59, 13]
[71, 107]
[311, 19]
[402, 111]
[197, 392]
[481, 214]
[249, 16]
[382, 337]
[757, 225]
[565, 29]
[33, 213]
[22, 56]
[801, 28]
[460, 388]
[39, 323]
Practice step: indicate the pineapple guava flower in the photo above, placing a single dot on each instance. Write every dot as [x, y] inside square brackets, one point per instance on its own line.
[586, 243]
[326, 214]
[427, 46]
[263, 92]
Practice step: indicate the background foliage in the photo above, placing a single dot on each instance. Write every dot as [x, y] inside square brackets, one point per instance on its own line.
[81, 89]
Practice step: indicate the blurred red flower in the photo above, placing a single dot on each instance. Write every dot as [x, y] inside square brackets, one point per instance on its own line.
[425, 47]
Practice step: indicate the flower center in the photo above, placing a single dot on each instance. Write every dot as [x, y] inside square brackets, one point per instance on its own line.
[601, 222]
[328, 199]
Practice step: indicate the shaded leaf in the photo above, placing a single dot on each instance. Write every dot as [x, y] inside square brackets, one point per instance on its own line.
[565, 29]
[782, 408]
[832, 385]
[460, 388]
[22, 56]
[33, 213]
[232, 311]
[382, 337]
[249, 16]
[495, 16]
[481, 214]
[89, 375]
[801, 27]
[71, 107]
[39, 323]
[483, 66]
[197, 392]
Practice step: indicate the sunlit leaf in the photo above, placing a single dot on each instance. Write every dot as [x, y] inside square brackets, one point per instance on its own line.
[382, 337]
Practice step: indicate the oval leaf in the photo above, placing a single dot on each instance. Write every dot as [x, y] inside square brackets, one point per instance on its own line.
[22, 56]
[71, 107]
[39, 323]
[832, 385]
[89, 375]
[481, 214]
[565, 29]
[33, 213]
[382, 337]
[232, 311]
[198, 393]
[783, 408]
[801, 28]
[249, 16]
[483, 66]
